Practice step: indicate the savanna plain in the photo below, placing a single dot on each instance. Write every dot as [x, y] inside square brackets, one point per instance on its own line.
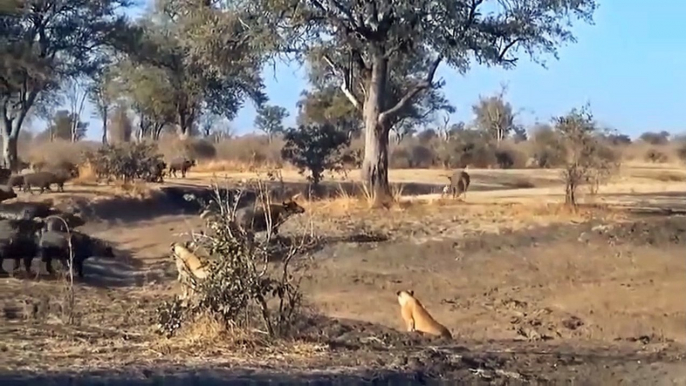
[533, 292]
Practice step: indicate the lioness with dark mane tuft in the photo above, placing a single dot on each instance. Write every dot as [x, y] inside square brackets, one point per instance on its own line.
[417, 318]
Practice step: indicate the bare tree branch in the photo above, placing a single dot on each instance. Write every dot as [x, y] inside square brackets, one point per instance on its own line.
[406, 100]
[345, 86]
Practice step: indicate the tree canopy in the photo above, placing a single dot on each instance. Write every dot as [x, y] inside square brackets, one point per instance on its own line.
[165, 59]
[269, 119]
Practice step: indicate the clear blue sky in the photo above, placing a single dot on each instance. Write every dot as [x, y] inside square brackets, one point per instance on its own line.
[630, 66]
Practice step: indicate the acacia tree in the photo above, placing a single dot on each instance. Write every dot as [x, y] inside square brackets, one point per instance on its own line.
[324, 76]
[364, 42]
[45, 43]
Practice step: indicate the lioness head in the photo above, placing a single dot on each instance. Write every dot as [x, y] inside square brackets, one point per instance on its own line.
[404, 296]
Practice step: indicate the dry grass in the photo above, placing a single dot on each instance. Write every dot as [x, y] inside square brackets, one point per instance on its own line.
[237, 166]
[136, 189]
[475, 214]
[639, 152]
[58, 151]
[86, 176]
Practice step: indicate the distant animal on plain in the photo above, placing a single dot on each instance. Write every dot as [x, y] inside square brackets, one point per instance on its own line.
[156, 172]
[417, 318]
[181, 164]
[459, 183]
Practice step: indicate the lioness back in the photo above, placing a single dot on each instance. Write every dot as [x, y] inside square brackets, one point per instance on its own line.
[191, 261]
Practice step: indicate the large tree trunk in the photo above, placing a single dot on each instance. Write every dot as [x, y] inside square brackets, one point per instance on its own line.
[104, 131]
[9, 128]
[9, 152]
[375, 163]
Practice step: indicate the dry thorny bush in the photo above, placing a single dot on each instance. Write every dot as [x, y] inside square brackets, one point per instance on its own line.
[250, 285]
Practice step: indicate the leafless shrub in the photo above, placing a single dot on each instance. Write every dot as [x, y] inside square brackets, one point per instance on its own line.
[68, 296]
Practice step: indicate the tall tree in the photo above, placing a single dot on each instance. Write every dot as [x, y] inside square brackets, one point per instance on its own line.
[217, 83]
[101, 95]
[496, 116]
[77, 93]
[120, 125]
[269, 119]
[66, 126]
[149, 93]
[365, 42]
[402, 76]
[45, 43]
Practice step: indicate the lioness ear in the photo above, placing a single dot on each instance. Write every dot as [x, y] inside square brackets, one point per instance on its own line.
[411, 292]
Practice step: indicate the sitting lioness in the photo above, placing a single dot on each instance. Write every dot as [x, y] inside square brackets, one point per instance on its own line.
[417, 318]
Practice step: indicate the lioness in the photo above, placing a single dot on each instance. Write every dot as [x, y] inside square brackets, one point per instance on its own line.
[417, 318]
[189, 267]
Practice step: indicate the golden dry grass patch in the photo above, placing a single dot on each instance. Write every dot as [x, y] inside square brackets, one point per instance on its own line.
[87, 176]
[235, 166]
[206, 333]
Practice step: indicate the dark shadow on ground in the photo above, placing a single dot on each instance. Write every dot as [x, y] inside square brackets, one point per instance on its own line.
[666, 203]
[215, 377]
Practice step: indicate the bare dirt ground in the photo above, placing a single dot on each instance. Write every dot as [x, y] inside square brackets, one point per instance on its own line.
[533, 293]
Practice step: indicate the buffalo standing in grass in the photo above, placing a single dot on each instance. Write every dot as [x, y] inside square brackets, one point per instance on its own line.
[55, 245]
[19, 240]
[459, 183]
[181, 164]
[44, 179]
